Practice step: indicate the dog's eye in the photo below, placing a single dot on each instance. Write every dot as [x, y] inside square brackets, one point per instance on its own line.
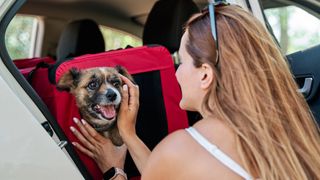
[93, 85]
[116, 84]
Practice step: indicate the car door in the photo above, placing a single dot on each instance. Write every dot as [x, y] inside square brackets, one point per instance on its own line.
[27, 150]
[296, 26]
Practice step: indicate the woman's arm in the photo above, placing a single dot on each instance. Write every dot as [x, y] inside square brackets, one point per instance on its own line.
[138, 151]
[126, 124]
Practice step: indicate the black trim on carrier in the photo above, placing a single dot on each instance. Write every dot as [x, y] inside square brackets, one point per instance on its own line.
[29, 90]
[150, 128]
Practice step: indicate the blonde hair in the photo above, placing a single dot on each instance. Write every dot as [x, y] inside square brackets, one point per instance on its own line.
[256, 95]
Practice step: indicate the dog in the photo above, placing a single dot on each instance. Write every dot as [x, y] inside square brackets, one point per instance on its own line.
[98, 96]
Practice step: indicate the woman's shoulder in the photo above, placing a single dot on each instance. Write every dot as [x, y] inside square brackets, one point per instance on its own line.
[179, 156]
[180, 143]
[210, 129]
[175, 140]
[173, 146]
[215, 132]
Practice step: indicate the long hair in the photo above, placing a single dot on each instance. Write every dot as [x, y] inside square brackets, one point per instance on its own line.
[255, 94]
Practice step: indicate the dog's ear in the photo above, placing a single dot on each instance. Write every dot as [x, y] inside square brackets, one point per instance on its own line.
[123, 71]
[69, 80]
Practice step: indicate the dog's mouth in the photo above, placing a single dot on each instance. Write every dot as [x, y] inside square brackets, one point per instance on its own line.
[107, 111]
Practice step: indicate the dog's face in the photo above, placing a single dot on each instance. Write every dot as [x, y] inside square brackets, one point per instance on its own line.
[97, 92]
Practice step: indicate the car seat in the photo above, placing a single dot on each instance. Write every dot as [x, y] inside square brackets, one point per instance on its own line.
[165, 23]
[164, 26]
[78, 38]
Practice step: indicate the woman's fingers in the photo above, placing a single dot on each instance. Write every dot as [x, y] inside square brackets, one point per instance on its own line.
[134, 95]
[84, 131]
[126, 80]
[93, 133]
[125, 97]
[83, 149]
[81, 138]
[133, 90]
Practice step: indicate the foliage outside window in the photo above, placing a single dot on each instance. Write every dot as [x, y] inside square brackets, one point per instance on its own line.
[115, 39]
[20, 36]
[294, 28]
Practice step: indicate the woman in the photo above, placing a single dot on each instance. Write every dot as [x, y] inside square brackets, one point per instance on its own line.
[249, 103]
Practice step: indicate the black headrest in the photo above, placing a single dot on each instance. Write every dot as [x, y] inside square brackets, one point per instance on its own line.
[80, 37]
[165, 22]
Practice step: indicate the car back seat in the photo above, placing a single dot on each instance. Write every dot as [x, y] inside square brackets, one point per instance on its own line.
[27, 65]
[165, 22]
[159, 114]
[78, 38]
[164, 26]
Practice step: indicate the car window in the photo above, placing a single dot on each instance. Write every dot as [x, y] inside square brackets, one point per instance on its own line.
[294, 28]
[115, 39]
[21, 36]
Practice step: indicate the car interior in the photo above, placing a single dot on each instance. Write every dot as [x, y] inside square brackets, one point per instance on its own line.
[71, 37]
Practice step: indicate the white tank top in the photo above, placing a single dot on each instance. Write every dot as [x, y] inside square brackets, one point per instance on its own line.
[218, 154]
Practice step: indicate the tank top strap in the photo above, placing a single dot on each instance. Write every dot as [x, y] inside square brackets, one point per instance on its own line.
[218, 154]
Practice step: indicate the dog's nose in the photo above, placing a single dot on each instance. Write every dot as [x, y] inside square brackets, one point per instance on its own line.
[111, 95]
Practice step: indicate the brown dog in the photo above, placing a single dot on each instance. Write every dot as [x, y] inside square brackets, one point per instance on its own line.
[98, 96]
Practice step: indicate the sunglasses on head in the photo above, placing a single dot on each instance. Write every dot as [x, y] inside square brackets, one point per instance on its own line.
[213, 23]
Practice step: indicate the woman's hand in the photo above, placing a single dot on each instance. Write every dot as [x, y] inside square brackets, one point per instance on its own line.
[98, 147]
[128, 109]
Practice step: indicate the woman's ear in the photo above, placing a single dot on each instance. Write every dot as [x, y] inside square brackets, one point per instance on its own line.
[206, 73]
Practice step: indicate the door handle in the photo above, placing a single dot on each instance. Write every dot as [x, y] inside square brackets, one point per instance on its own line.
[306, 88]
[62, 144]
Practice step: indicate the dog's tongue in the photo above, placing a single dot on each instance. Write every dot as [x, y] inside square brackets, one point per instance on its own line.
[108, 111]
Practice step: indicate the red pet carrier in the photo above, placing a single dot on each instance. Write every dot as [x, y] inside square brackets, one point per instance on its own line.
[153, 70]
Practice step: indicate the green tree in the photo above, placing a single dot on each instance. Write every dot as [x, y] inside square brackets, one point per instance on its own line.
[284, 16]
[115, 39]
[19, 35]
[293, 34]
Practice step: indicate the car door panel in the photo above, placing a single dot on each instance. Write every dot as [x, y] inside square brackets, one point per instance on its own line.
[305, 65]
[26, 148]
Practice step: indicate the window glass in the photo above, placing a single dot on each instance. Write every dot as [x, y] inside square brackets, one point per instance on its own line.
[115, 39]
[20, 37]
[1, 2]
[294, 28]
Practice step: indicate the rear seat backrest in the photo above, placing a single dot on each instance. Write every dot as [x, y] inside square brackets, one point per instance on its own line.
[78, 38]
[159, 113]
[165, 22]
